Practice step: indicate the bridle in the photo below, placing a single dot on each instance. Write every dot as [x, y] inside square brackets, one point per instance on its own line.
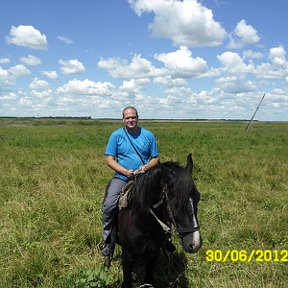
[165, 198]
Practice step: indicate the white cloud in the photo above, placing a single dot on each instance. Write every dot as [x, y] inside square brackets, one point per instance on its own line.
[177, 99]
[3, 73]
[277, 68]
[181, 64]
[19, 70]
[50, 74]
[249, 54]
[233, 63]
[277, 56]
[186, 23]
[277, 98]
[25, 101]
[38, 84]
[66, 40]
[86, 87]
[5, 77]
[4, 60]
[72, 66]
[27, 36]
[138, 68]
[245, 35]
[235, 85]
[169, 81]
[9, 96]
[31, 60]
[44, 94]
[134, 85]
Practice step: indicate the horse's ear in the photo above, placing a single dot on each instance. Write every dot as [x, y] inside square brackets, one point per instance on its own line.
[189, 165]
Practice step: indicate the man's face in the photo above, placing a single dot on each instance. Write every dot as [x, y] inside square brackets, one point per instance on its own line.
[130, 118]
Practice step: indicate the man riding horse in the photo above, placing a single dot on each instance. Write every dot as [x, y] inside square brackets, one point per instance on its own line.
[128, 149]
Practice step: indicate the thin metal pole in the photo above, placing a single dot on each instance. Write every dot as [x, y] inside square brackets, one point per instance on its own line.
[248, 126]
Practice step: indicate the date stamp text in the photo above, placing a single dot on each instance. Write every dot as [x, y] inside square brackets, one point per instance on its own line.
[257, 255]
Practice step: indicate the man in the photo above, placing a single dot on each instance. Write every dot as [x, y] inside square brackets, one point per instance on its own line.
[129, 148]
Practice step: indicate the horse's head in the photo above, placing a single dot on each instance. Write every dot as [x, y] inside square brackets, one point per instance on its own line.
[182, 199]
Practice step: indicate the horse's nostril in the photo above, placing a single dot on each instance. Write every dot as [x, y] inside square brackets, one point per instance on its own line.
[196, 248]
[191, 248]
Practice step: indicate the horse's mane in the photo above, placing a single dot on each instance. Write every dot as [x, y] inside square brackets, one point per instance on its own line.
[148, 186]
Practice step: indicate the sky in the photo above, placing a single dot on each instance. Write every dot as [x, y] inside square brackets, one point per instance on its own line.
[189, 59]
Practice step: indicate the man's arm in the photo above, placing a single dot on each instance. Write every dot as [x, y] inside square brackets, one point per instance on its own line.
[111, 162]
[153, 162]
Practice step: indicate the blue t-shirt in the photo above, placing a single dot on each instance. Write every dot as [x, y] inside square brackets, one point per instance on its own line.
[121, 149]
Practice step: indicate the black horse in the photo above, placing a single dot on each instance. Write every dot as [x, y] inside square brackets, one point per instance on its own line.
[164, 195]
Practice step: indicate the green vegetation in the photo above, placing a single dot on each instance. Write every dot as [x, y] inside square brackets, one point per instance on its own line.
[52, 180]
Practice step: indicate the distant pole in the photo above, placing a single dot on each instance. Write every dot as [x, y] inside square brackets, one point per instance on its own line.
[248, 126]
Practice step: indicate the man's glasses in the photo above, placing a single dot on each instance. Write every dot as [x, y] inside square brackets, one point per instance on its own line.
[133, 118]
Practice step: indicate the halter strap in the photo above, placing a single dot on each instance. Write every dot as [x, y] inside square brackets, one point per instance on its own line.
[166, 228]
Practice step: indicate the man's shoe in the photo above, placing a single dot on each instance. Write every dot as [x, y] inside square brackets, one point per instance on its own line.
[169, 246]
[105, 250]
[107, 262]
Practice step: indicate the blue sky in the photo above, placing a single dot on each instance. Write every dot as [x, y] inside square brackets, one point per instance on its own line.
[209, 59]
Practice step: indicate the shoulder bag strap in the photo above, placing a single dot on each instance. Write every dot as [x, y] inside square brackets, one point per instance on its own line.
[134, 146]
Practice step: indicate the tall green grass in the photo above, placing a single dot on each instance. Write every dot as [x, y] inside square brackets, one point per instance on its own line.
[53, 176]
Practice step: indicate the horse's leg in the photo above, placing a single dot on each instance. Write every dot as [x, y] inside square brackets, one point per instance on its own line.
[127, 261]
[149, 269]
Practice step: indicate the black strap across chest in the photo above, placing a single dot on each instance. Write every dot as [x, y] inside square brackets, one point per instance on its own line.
[134, 146]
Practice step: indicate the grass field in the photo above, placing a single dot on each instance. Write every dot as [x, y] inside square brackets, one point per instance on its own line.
[52, 180]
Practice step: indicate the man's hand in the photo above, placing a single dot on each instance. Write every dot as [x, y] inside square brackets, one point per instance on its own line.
[139, 171]
[129, 173]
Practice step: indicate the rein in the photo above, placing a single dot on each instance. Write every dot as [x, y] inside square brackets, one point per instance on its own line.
[165, 227]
